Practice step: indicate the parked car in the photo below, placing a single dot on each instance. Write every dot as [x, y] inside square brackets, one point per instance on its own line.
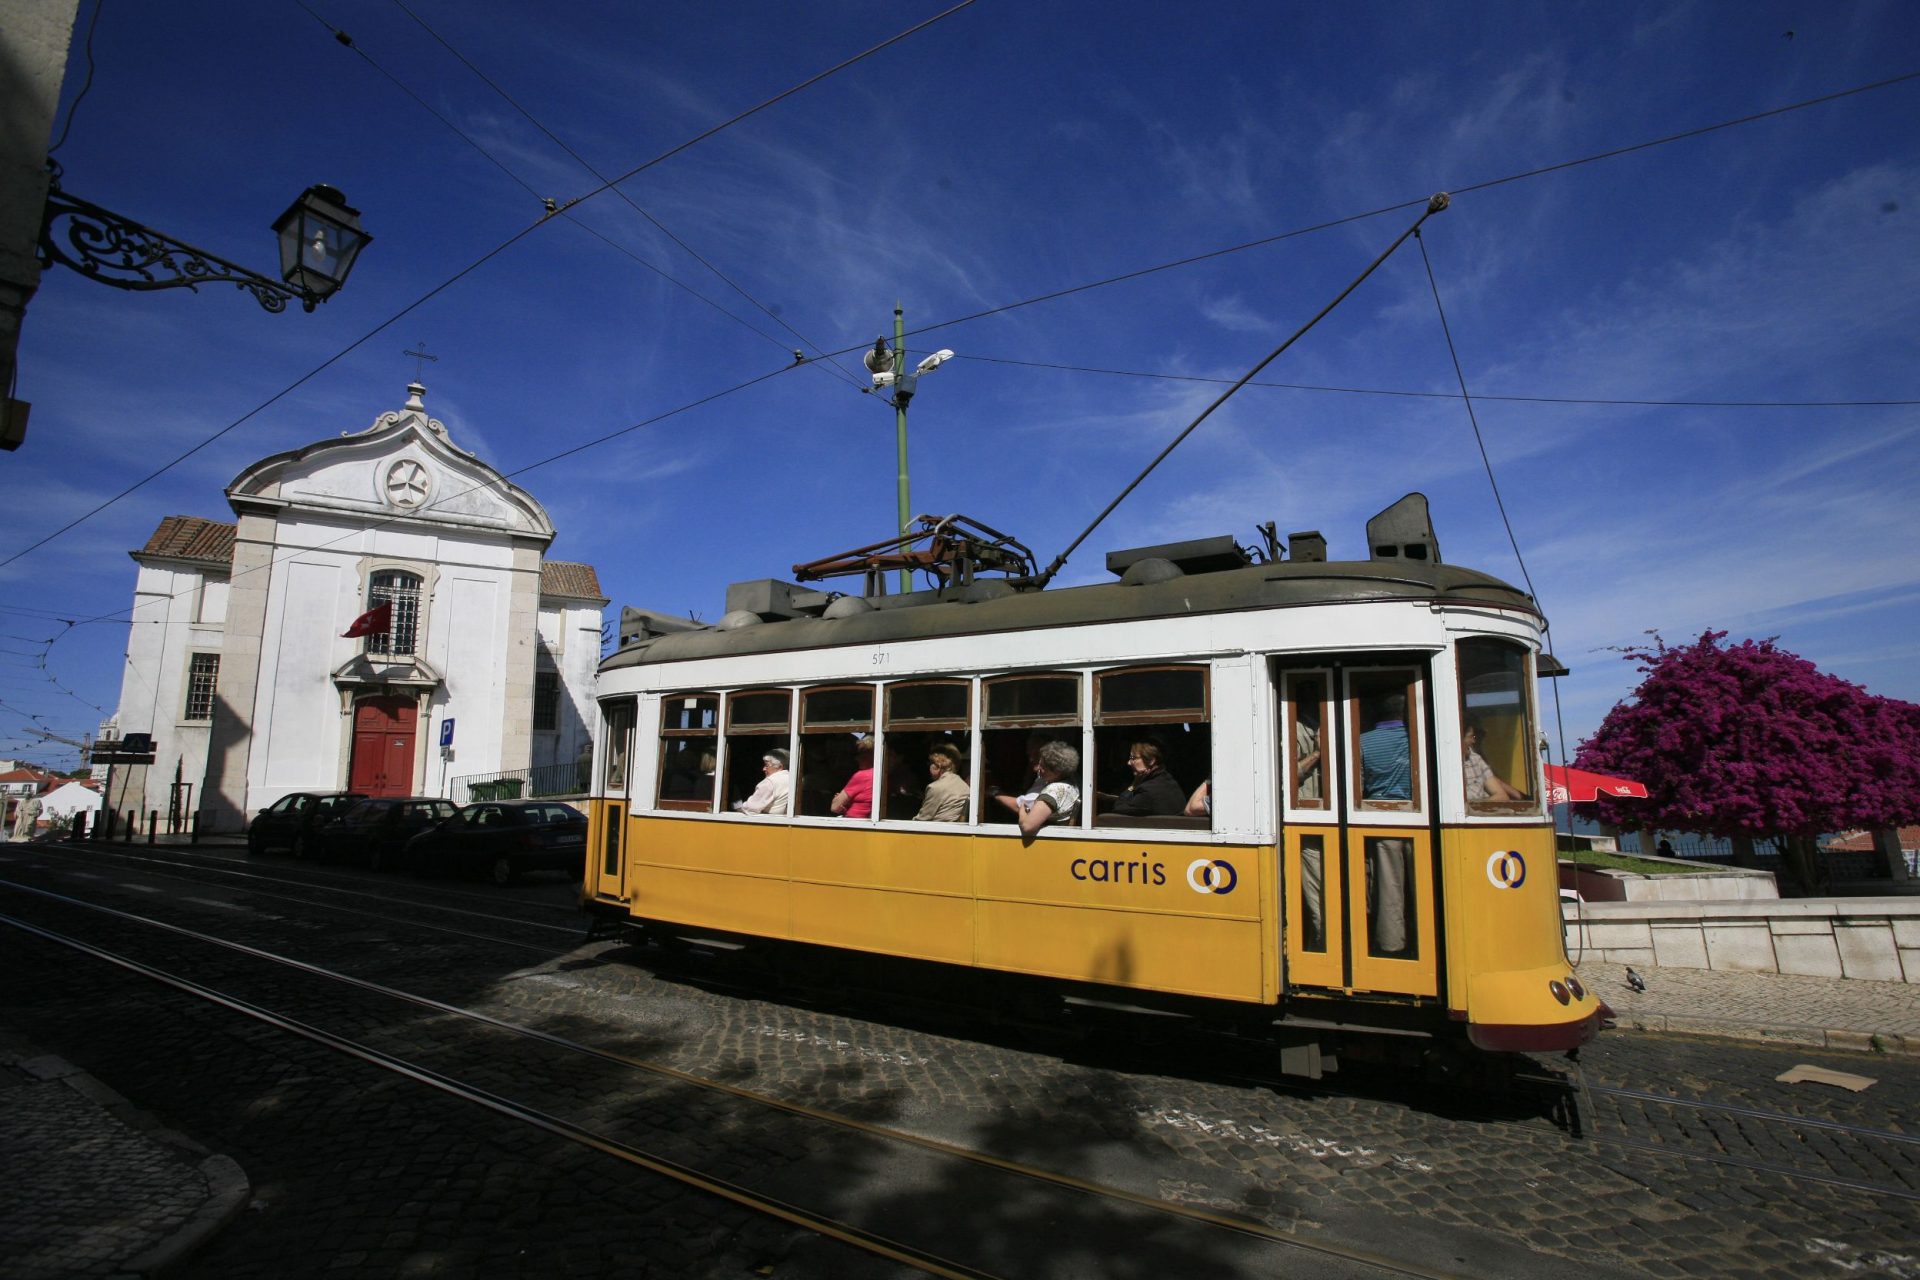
[373, 833]
[503, 838]
[289, 822]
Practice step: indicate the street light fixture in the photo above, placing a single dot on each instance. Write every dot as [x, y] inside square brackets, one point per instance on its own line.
[320, 236]
[885, 366]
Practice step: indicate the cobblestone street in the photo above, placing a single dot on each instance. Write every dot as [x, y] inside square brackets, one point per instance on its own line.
[354, 1169]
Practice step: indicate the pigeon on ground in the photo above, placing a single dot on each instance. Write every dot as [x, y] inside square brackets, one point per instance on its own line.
[1635, 981]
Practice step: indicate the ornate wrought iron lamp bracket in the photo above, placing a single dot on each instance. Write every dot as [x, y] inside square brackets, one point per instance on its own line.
[118, 251]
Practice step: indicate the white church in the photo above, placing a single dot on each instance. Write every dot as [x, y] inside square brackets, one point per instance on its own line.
[238, 668]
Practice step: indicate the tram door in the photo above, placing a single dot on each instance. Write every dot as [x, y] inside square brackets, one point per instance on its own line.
[606, 856]
[1356, 848]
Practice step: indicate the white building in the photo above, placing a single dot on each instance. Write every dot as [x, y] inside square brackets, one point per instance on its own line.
[236, 663]
[60, 804]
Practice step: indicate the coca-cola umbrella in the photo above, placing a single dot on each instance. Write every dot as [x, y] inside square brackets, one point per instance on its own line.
[1577, 786]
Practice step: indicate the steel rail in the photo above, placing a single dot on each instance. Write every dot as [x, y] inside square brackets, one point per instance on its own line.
[870, 1242]
[1205, 1217]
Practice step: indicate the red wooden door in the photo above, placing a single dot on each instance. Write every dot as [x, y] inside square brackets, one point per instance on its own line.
[383, 730]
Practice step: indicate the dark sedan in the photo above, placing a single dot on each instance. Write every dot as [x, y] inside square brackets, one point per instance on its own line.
[289, 822]
[503, 838]
[374, 832]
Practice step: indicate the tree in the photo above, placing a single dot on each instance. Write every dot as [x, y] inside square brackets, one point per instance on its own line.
[1749, 740]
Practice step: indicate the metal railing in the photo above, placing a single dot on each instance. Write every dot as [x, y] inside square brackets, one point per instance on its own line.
[546, 781]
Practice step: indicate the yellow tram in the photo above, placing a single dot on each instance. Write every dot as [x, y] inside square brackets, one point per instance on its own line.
[1369, 862]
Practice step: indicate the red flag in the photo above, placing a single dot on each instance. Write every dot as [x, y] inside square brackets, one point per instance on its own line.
[376, 621]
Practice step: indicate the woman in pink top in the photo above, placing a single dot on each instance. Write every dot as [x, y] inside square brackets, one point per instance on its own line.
[855, 800]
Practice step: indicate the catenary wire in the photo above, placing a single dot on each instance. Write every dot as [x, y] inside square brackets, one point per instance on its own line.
[1435, 204]
[631, 203]
[485, 258]
[73, 109]
[347, 41]
[1560, 166]
[1452, 395]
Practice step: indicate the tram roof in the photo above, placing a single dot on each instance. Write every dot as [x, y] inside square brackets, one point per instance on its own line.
[994, 606]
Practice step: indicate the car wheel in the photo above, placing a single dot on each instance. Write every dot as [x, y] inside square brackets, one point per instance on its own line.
[299, 847]
[503, 870]
[376, 858]
[255, 845]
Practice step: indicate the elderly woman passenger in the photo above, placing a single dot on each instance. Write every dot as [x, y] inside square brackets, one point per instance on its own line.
[1056, 800]
[946, 798]
[775, 792]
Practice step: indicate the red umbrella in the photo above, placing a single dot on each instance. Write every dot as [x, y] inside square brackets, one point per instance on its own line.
[1579, 786]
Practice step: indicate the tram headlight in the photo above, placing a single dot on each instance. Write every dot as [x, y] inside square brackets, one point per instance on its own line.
[1573, 985]
[1559, 990]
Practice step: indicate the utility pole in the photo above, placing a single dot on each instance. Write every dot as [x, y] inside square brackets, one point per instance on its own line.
[889, 370]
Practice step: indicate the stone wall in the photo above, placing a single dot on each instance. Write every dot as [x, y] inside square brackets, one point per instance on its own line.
[1877, 938]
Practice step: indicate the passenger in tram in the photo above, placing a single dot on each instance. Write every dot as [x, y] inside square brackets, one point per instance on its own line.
[1482, 782]
[775, 792]
[1386, 773]
[946, 799]
[1057, 800]
[1200, 803]
[855, 800]
[1153, 793]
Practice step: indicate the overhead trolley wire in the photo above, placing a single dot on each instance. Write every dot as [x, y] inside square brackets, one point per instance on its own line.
[1454, 395]
[342, 38]
[487, 257]
[1456, 191]
[1435, 204]
[633, 204]
[1011, 306]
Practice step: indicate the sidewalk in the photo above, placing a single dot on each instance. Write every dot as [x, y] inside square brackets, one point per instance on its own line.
[96, 1188]
[1846, 1014]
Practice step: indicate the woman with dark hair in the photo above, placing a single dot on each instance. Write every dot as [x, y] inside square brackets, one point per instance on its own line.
[1153, 793]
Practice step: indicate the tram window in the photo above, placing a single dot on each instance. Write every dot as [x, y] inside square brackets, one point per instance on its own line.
[921, 716]
[619, 717]
[1496, 724]
[1152, 746]
[1386, 766]
[1390, 897]
[833, 724]
[758, 721]
[1312, 921]
[1306, 697]
[689, 749]
[1023, 714]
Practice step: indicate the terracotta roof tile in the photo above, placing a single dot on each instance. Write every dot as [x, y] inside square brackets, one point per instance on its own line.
[564, 578]
[192, 538]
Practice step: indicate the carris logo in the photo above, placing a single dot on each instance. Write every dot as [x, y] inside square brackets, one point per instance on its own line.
[1507, 870]
[1211, 875]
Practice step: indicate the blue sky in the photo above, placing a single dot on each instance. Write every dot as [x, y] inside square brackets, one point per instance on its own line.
[1007, 152]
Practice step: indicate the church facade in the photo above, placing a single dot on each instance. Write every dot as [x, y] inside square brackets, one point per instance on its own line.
[480, 658]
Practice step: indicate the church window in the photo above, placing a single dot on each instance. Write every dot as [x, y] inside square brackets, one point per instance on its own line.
[402, 590]
[546, 701]
[203, 673]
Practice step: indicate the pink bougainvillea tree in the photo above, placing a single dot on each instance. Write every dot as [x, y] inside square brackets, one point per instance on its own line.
[1749, 740]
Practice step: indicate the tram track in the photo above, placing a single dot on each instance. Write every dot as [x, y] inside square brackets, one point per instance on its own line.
[1184, 1218]
[244, 881]
[1619, 1135]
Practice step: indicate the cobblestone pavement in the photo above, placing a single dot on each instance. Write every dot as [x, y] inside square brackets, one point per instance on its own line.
[359, 1174]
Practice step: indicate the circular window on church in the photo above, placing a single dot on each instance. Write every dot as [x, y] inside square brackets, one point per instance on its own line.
[406, 483]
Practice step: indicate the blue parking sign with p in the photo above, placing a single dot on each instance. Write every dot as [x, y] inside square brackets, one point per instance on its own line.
[446, 732]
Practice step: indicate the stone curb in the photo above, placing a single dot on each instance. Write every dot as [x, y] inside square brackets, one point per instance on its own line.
[1871, 1042]
[228, 1188]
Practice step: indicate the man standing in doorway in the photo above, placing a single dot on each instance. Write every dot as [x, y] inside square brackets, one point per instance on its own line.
[1386, 774]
